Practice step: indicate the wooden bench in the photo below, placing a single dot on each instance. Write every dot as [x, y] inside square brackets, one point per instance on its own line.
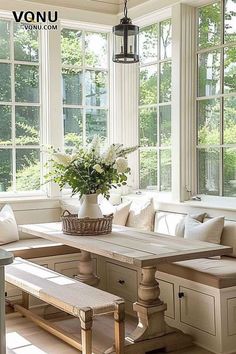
[69, 295]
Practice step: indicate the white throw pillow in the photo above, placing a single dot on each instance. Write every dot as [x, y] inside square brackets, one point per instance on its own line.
[121, 211]
[180, 227]
[121, 214]
[209, 231]
[141, 216]
[8, 226]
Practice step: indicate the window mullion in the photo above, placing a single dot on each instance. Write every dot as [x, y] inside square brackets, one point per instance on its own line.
[83, 89]
[13, 107]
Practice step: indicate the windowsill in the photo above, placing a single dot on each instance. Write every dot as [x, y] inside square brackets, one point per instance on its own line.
[165, 199]
[222, 203]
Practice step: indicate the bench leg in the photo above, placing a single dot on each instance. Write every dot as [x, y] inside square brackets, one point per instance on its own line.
[119, 317]
[25, 300]
[86, 320]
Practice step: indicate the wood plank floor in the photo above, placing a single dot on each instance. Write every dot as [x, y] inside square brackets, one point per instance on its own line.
[23, 337]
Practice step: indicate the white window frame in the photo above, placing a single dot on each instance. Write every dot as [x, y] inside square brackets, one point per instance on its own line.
[85, 27]
[12, 62]
[51, 99]
[221, 146]
[157, 105]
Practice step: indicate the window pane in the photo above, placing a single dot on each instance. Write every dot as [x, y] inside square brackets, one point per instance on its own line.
[230, 70]
[165, 39]
[96, 123]
[148, 85]
[27, 83]
[148, 43]
[165, 170]
[71, 47]
[96, 88]
[209, 122]
[230, 120]
[209, 73]
[5, 169]
[5, 126]
[165, 82]
[230, 21]
[148, 169]
[165, 125]
[27, 125]
[208, 170]
[229, 172]
[96, 49]
[72, 86]
[5, 82]
[26, 46]
[148, 126]
[4, 39]
[27, 169]
[73, 125]
[209, 25]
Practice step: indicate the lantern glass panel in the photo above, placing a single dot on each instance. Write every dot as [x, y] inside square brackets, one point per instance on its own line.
[125, 43]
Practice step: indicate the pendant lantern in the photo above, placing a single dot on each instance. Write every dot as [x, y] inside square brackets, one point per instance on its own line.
[125, 41]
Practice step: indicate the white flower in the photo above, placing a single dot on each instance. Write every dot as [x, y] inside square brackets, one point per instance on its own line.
[61, 158]
[109, 156]
[98, 168]
[121, 165]
[94, 146]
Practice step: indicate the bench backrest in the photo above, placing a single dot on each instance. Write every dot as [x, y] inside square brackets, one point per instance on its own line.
[166, 222]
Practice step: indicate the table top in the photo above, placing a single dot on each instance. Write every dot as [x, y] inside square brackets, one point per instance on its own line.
[5, 258]
[130, 245]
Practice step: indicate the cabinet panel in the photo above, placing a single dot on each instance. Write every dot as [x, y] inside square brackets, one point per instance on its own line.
[197, 310]
[231, 315]
[122, 281]
[167, 295]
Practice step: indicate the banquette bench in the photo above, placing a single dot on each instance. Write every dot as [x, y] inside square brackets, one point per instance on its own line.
[200, 294]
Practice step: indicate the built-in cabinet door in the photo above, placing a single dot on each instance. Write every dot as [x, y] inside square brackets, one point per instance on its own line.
[122, 281]
[231, 316]
[167, 295]
[197, 310]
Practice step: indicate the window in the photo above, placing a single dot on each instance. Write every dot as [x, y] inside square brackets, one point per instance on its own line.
[155, 106]
[216, 99]
[19, 108]
[85, 85]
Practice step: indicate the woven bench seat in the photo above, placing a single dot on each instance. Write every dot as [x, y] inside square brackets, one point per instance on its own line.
[69, 295]
[37, 247]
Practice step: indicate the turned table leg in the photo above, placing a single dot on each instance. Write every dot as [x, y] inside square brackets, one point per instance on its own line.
[85, 269]
[150, 309]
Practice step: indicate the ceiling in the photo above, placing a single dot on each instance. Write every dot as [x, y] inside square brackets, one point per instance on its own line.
[105, 6]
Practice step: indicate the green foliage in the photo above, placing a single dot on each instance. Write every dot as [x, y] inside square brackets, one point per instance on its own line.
[28, 179]
[26, 47]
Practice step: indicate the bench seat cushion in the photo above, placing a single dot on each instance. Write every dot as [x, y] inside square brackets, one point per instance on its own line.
[37, 247]
[218, 273]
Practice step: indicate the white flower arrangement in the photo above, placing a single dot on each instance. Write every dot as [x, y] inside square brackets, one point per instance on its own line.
[90, 170]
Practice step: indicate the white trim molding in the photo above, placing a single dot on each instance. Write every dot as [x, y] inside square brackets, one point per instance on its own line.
[183, 108]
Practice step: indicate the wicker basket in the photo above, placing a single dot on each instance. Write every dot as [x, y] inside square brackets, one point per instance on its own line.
[71, 225]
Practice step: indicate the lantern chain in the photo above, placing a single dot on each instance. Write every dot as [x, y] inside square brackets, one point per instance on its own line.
[125, 8]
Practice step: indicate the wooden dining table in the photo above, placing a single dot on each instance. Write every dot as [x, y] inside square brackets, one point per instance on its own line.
[145, 250]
